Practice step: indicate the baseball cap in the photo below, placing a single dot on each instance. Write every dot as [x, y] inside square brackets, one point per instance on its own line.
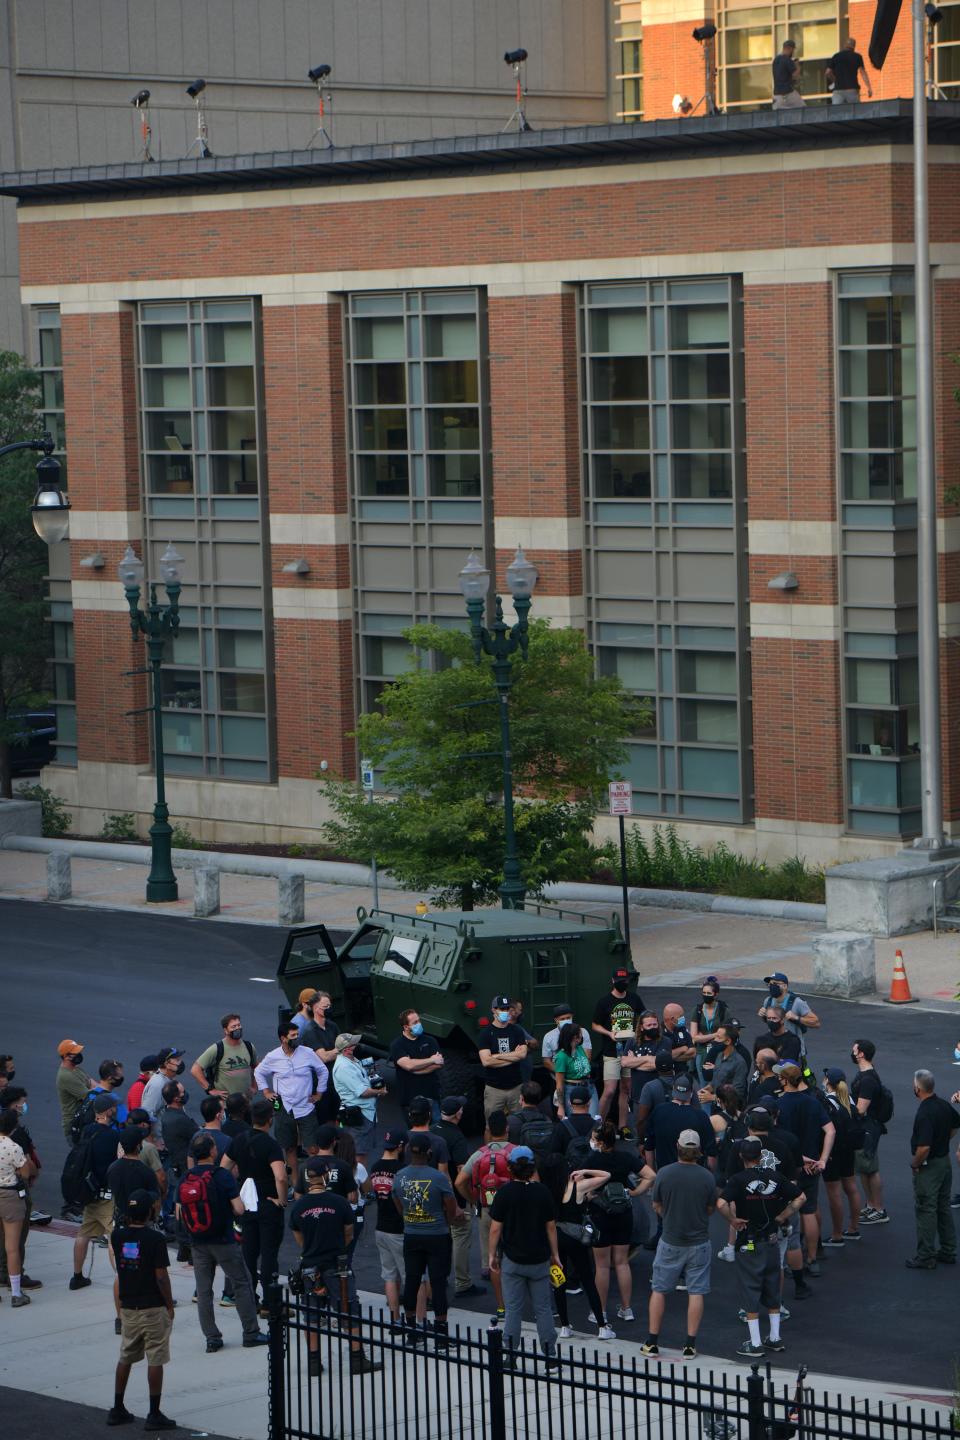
[419, 1106]
[751, 1148]
[579, 1094]
[770, 1103]
[169, 1052]
[789, 1070]
[326, 1136]
[519, 1154]
[150, 1062]
[683, 1085]
[450, 1104]
[834, 1075]
[777, 975]
[344, 1041]
[69, 1047]
[663, 1061]
[559, 1010]
[139, 1204]
[500, 1002]
[689, 1138]
[621, 975]
[759, 1119]
[308, 994]
[317, 1165]
[393, 1139]
[103, 1103]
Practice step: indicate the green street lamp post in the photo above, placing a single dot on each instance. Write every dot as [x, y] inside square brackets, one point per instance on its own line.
[501, 641]
[50, 510]
[156, 624]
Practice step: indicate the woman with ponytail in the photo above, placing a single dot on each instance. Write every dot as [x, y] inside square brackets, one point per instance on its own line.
[838, 1175]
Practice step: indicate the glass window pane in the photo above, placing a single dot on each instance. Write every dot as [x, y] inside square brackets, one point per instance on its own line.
[873, 783]
[383, 474]
[701, 427]
[454, 475]
[621, 427]
[165, 345]
[242, 692]
[380, 384]
[451, 336]
[627, 476]
[240, 649]
[452, 382]
[379, 339]
[636, 668]
[453, 429]
[168, 389]
[171, 431]
[713, 721]
[242, 736]
[233, 430]
[706, 672]
[230, 344]
[620, 378]
[231, 385]
[180, 689]
[694, 327]
[748, 84]
[382, 429]
[182, 733]
[234, 474]
[700, 377]
[619, 332]
[714, 772]
[870, 682]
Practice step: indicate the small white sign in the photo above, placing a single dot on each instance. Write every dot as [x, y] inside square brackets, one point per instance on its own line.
[621, 797]
[366, 774]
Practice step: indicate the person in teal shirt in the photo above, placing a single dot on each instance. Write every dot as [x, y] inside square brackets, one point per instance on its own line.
[571, 1066]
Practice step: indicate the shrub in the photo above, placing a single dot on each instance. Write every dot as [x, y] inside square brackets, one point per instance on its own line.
[54, 815]
[184, 839]
[668, 863]
[120, 827]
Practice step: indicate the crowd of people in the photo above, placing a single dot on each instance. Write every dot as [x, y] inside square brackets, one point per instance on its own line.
[604, 1144]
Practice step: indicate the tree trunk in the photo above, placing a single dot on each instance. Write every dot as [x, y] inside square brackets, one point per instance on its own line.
[466, 896]
[6, 775]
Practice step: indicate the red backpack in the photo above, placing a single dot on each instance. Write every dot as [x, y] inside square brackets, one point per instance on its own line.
[491, 1172]
[201, 1204]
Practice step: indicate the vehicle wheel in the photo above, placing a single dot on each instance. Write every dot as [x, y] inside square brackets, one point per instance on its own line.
[462, 1076]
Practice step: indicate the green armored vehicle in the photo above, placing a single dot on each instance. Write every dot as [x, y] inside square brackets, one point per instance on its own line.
[448, 966]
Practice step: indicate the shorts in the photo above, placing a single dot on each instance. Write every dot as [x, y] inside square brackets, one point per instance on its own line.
[810, 1185]
[496, 1099]
[790, 1241]
[390, 1250]
[612, 1069]
[673, 1263]
[11, 1206]
[97, 1219]
[483, 1225]
[611, 1229]
[758, 1271]
[845, 97]
[840, 1165]
[290, 1131]
[145, 1334]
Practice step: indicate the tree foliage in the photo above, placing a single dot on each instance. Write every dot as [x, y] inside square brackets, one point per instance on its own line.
[24, 638]
[435, 742]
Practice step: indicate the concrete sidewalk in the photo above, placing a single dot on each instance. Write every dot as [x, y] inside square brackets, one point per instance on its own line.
[63, 1347]
[669, 946]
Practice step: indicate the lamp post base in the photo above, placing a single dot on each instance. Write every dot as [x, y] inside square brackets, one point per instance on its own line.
[512, 894]
[161, 882]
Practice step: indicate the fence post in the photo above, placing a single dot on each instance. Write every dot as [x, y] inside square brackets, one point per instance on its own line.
[756, 1416]
[276, 1384]
[59, 884]
[498, 1409]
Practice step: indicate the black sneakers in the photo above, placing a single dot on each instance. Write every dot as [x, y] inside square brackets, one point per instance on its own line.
[156, 1420]
[79, 1282]
[120, 1415]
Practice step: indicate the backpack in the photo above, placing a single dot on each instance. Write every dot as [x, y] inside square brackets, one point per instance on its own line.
[201, 1204]
[536, 1130]
[612, 1199]
[883, 1105]
[578, 1153]
[78, 1184]
[490, 1172]
[211, 1071]
[85, 1116]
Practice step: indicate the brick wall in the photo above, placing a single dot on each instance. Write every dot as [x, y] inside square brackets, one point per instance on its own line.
[105, 648]
[672, 65]
[315, 705]
[797, 730]
[304, 399]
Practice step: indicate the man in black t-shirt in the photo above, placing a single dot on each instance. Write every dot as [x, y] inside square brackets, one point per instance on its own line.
[97, 1214]
[389, 1232]
[759, 1204]
[579, 1124]
[614, 1022]
[844, 72]
[934, 1125]
[781, 1151]
[786, 73]
[416, 1056]
[340, 1177]
[146, 1307]
[503, 1047]
[461, 1228]
[865, 1092]
[418, 1120]
[785, 1045]
[523, 1245]
[258, 1157]
[129, 1174]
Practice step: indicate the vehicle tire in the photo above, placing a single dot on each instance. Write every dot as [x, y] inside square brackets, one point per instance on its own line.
[461, 1075]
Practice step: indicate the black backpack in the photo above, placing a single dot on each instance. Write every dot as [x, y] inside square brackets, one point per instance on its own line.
[78, 1185]
[883, 1104]
[578, 1153]
[535, 1130]
[211, 1070]
[85, 1116]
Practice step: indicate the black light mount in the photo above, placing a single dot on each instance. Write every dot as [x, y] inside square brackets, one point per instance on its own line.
[515, 57]
[705, 32]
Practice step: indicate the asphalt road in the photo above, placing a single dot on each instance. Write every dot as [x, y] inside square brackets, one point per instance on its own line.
[124, 985]
[27, 1417]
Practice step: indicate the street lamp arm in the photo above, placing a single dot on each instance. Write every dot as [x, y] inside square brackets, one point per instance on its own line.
[46, 444]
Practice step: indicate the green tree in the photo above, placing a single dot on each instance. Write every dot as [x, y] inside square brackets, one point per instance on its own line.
[436, 744]
[24, 638]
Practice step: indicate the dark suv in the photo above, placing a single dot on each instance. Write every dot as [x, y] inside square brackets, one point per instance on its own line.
[35, 743]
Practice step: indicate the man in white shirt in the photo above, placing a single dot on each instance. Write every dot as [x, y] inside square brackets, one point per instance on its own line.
[294, 1079]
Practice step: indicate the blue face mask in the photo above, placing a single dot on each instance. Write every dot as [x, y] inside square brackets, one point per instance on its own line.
[681, 1022]
[503, 1016]
[25, 1107]
[956, 1056]
[417, 1029]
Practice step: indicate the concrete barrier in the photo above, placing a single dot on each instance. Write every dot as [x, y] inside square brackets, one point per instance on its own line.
[844, 964]
[206, 891]
[59, 880]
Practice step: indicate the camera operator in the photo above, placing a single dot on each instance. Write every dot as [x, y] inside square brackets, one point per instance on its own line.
[360, 1087]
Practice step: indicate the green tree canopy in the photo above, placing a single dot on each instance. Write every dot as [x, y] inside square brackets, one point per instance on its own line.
[24, 637]
[435, 742]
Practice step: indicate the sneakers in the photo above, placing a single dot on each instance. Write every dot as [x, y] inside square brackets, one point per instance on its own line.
[156, 1420]
[831, 1244]
[625, 1313]
[915, 1264]
[361, 1364]
[227, 1302]
[750, 1351]
[774, 1347]
[565, 1333]
[261, 1338]
[79, 1282]
[689, 1352]
[120, 1415]
[943, 1259]
[40, 1217]
[606, 1332]
[475, 1290]
[727, 1253]
[213, 1346]
[812, 1267]
[18, 1301]
[874, 1217]
[574, 1289]
[801, 1290]
[955, 1202]
[852, 1235]
[650, 1347]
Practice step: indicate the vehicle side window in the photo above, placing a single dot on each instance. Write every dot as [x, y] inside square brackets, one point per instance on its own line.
[401, 956]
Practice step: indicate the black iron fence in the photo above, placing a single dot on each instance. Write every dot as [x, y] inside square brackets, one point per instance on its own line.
[467, 1385]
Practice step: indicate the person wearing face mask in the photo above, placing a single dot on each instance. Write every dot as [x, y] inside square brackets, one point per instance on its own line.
[418, 1062]
[677, 1038]
[177, 1129]
[797, 1015]
[708, 1016]
[73, 1083]
[504, 1048]
[639, 1056]
[615, 1018]
[294, 1079]
[226, 1068]
[13, 1098]
[320, 1035]
[169, 1066]
[786, 1047]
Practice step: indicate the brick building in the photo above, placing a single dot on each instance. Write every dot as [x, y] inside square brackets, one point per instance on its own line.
[675, 361]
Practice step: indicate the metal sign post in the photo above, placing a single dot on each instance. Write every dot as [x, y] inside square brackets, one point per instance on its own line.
[368, 781]
[621, 803]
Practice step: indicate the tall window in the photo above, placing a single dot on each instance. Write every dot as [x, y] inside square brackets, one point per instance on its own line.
[419, 465]
[628, 36]
[946, 51]
[204, 490]
[876, 392]
[751, 35]
[663, 428]
[48, 360]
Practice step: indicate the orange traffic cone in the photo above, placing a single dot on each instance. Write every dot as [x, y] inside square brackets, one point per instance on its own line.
[899, 986]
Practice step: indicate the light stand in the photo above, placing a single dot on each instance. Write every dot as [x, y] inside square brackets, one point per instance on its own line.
[156, 624]
[934, 16]
[515, 59]
[705, 36]
[501, 641]
[318, 74]
[50, 511]
[140, 103]
[201, 141]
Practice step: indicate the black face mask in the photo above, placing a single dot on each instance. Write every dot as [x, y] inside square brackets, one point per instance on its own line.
[184, 1098]
[708, 997]
[77, 1059]
[292, 1044]
[236, 1034]
[774, 1025]
[180, 1068]
[650, 1035]
[10, 1075]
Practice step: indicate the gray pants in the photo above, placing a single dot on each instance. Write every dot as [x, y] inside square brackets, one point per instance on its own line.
[229, 1257]
[520, 1281]
[461, 1231]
